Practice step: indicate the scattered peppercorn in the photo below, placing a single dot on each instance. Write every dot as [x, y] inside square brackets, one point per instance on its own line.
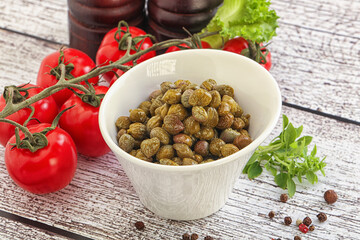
[330, 196]
[297, 238]
[307, 221]
[312, 228]
[194, 236]
[287, 221]
[271, 214]
[322, 217]
[186, 236]
[139, 225]
[283, 197]
[208, 238]
[303, 228]
[298, 222]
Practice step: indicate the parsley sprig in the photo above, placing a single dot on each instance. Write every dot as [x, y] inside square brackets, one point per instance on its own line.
[287, 157]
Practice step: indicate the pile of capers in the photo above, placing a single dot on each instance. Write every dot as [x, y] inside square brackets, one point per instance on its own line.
[183, 123]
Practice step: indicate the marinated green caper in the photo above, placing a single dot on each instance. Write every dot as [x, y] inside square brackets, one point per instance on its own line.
[161, 131]
[149, 147]
[122, 122]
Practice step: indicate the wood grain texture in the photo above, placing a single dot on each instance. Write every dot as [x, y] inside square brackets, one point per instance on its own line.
[40, 19]
[12, 230]
[20, 58]
[317, 70]
[100, 202]
[316, 55]
[336, 17]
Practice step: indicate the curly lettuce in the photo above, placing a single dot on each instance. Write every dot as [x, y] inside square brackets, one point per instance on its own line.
[250, 19]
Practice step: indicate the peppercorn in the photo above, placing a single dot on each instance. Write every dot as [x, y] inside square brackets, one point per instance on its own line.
[208, 238]
[194, 236]
[186, 236]
[298, 222]
[271, 214]
[283, 197]
[297, 238]
[322, 217]
[139, 225]
[287, 221]
[312, 228]
[307, 221]
[330, 196]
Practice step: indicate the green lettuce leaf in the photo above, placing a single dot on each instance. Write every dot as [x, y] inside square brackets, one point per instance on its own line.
[250, 19]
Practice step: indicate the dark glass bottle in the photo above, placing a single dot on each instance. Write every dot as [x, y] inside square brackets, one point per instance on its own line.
[90, 20]
[166, 18]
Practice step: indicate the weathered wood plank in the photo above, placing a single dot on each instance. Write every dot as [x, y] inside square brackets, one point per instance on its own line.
[13, 230]
[43, 19]
[20, 58]
[337, 17]
[100, 202]
[318, 70]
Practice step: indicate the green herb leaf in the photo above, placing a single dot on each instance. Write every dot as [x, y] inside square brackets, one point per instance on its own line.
[299, 178]
[285, 121]
[313, 152]
[311, 177]
[287, 157]
[255, 170]
[271, 169]
[281, 180]
[299, 131]
[252, 159]
[289, 134]
[291, 187]
[307, 140]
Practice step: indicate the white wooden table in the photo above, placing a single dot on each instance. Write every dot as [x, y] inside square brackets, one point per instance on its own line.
[316, 61]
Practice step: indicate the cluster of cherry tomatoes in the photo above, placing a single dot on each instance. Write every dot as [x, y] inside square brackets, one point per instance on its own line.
[52, 168]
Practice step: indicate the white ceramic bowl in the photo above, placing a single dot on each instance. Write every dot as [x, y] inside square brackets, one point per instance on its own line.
[191, 192]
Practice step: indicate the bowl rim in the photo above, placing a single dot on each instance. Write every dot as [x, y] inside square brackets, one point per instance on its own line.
[243, 152]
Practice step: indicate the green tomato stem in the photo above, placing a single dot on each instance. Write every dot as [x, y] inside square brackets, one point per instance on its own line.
[62, 83]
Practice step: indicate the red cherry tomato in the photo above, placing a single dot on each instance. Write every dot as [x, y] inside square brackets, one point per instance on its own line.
[237, 45]
[109, 49]
[175, 48]
[81, 122]
[82, 65]
[268, 63]
[46, 170]
[45, 112]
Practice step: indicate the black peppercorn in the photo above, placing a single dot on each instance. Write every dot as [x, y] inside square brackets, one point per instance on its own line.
[139, 225]
[287, 221]
[186, 236]
[330, 196]
[297, 238]
[307, 221]
[271, 214]
[208, 238]
[194, 236]
[322, 217]
[283, 197]
[312, 228]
